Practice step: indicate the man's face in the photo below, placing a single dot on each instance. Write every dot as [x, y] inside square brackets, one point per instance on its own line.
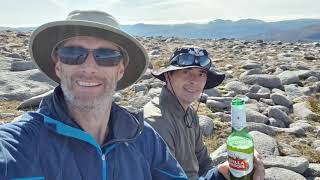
[187, 84]
[88, 85]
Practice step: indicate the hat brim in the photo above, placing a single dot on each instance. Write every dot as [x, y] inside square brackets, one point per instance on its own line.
[213, 78]
[45, 38]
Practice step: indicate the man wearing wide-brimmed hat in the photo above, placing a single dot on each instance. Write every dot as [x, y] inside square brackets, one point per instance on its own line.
[188, 73]
[78, 132]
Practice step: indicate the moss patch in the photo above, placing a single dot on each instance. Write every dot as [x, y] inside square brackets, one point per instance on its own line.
[314, 104]
[11, 108]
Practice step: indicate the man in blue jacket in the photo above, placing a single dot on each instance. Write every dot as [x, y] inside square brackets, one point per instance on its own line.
[78, 132]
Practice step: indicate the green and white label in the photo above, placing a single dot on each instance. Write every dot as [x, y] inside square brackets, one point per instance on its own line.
[238, 118]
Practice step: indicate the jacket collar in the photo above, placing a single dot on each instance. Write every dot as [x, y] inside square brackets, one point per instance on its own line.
[124, 125]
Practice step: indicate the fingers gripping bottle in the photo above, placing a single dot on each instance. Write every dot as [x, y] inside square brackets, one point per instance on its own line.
[239, 144]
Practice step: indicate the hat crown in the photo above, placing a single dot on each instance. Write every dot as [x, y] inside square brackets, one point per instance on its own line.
[197, 51]
[94, 16]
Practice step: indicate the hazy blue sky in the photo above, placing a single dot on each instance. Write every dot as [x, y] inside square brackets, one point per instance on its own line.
[36, 12]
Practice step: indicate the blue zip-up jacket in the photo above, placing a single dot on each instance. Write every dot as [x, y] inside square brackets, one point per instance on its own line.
[48, 144]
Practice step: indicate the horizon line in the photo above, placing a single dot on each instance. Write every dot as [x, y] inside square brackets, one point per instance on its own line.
[177, 22]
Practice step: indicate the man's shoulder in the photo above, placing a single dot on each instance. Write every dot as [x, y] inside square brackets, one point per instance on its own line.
[27, 124]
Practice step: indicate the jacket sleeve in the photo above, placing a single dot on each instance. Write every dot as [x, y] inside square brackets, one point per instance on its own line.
[18, 151]
[165, 132]
[163, 165]
[207, 170]
[205, 162]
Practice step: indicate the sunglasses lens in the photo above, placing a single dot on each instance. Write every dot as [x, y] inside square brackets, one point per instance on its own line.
[204, 61]
[72, 55]
[107, 57]
[78, 55]
[186, 59]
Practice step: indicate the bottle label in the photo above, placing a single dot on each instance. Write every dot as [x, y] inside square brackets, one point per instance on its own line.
[240, 164]
[238, 118]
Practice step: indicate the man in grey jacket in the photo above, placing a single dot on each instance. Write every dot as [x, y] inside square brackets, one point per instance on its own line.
[173, 117]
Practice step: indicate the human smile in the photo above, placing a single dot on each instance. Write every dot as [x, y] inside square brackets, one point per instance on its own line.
[88, 84]
[191, 90]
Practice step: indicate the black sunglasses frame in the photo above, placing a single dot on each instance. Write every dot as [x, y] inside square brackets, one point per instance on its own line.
[74, 55]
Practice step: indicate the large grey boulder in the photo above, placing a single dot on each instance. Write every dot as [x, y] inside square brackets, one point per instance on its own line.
[265, 80]
[258, 96]
[297, 131]
[222, 116]
[250, 72]
[288, 77]
[302, 124]
[276, 123]
[218, 102]
[212, 92]
[279, 115]
[263, 128]
[280, 99]
[22, 65]
[254, 116]
[275, 173]
[139, 102]
[282, 108]
[288, 150]
[293, 92]
[206, 125]
[255, 88]
[140, 87]
[264, 144]
[302, 111]
[296, 164]
[33, 102]
[154, 92]
[220, 155]
[237, 86]
[304, 74]
[251, 65]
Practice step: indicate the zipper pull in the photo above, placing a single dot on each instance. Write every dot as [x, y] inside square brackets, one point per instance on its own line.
[103, 157]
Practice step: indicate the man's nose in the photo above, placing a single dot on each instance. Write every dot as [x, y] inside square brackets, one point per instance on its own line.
[90, 64]
[193, 76]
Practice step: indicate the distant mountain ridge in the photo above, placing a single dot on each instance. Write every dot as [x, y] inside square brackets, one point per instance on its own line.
[247, 29]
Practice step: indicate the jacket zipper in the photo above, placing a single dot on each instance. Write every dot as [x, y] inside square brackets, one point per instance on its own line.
[104, 162]
[104, 168]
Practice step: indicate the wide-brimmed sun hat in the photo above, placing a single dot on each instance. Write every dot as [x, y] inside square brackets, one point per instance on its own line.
[191, 57]
[87, 23]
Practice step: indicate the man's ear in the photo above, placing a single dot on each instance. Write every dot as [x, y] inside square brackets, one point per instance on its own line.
[57, 68]
[167, 76]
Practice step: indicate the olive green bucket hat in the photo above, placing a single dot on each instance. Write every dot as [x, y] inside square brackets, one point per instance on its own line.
[87, 23]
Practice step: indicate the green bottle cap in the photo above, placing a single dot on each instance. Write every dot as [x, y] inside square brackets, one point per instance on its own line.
[237, 102]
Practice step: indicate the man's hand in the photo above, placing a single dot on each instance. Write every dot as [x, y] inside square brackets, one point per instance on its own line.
[258, 168]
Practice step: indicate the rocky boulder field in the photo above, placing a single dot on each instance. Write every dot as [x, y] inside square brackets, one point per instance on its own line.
[279, 80]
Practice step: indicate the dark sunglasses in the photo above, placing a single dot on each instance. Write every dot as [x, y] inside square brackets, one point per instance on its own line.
[74, 55]
[186, 59]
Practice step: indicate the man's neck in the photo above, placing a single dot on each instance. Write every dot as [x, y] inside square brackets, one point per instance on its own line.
[95, 121]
